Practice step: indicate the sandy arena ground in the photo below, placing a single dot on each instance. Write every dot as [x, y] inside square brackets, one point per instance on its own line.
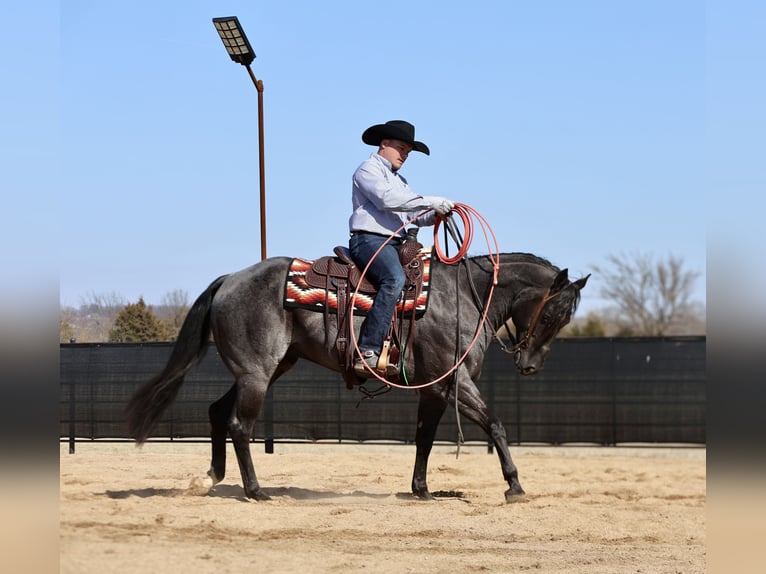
[347, 508]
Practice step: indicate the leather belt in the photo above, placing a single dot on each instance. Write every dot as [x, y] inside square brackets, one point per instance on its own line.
[394, 239]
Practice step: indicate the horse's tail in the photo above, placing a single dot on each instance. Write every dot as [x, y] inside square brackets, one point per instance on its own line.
[151, 399]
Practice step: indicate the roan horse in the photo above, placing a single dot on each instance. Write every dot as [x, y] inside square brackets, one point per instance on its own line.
[259, 340]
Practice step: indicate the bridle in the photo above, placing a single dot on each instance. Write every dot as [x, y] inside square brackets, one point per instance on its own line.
[524, 343]
[460, 257]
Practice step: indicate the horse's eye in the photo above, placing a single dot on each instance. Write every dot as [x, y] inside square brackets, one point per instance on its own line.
[547, 318]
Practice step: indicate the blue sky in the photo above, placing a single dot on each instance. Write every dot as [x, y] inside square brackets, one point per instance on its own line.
[578, 129]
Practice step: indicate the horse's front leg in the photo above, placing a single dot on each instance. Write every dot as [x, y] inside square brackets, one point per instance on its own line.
[430, 411]
[510, 473]
[472, 406]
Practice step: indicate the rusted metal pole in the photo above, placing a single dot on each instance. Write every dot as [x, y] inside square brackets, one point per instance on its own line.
[261, 160]
[268, 442]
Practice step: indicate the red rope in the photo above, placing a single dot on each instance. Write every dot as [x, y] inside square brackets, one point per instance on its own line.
[462, 211]
[466, 214]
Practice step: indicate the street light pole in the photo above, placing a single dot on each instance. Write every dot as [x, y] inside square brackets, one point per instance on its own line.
[261, 160]
[239, 50]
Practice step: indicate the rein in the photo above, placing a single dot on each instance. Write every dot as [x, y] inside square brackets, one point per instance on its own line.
[517, 346]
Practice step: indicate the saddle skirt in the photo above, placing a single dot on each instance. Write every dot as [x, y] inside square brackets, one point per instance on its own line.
[312, 284]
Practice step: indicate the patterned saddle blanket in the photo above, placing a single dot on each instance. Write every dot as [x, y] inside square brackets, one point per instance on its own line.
[313, 284]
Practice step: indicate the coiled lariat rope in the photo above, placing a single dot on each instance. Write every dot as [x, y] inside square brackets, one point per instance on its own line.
[467, 215]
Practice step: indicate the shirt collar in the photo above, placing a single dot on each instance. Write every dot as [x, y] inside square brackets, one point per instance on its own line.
[384, 161]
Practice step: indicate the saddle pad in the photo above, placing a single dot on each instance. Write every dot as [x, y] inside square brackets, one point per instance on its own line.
[300, 295]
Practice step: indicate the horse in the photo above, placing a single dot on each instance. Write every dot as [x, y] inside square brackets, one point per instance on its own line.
[259, 339]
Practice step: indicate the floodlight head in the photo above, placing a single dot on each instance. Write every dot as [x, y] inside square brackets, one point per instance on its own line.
[234, 40]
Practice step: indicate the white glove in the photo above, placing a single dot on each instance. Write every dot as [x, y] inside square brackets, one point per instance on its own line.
[440, 205]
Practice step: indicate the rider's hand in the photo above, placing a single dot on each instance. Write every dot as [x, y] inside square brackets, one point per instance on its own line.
[441, 205]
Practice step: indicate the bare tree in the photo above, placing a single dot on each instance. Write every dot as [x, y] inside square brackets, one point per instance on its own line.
[104, 304]
[67, 324]
[96, 315]
[177, 299]
[175, 306]
[651, 297]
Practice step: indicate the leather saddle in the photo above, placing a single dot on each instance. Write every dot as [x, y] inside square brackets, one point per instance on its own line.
[339, 274]
[334, 269]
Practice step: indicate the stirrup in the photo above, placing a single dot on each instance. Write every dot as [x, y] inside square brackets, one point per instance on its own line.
[384, 366]
[370, 362]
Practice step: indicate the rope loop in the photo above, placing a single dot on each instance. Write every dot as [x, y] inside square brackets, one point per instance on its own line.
[467, 215]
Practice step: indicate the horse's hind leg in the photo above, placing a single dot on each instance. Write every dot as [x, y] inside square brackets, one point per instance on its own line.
[219, 413]
[430, 411]
[250, 394]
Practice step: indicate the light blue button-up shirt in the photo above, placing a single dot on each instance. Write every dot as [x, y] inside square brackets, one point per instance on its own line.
[382, 200]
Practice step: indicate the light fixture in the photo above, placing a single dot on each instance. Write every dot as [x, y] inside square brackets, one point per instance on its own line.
[234, 40]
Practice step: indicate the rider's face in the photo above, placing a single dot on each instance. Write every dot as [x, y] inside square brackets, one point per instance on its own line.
[395, 151]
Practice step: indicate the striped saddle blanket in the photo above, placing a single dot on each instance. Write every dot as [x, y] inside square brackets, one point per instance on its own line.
[313, 284]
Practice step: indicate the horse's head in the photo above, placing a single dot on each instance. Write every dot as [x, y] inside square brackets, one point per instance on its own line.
[538, 318]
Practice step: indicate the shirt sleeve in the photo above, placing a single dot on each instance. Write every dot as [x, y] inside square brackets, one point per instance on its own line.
[426, 219]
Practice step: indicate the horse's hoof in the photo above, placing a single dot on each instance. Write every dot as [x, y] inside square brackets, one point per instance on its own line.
[201, 486]
[214, 477]
[258, 495]
[514, 494]
[423, 495]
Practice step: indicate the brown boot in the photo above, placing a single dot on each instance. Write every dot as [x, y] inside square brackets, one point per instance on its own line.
[370, 362]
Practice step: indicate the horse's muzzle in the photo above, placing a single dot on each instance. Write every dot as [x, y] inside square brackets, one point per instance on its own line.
[524, 369]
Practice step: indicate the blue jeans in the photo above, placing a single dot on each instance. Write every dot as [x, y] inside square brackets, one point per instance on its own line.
[386, 274]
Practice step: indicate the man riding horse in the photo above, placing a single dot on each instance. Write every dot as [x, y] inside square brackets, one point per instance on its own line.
[383, 202]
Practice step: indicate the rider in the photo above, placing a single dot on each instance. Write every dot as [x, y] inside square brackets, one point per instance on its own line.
[382, 203]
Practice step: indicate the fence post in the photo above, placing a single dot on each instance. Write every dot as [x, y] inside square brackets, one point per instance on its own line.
[91, 394]
[613, 383]
[268, 422]
[71, 415]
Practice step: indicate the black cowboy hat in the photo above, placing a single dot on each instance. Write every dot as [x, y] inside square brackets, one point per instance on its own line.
[395, 130]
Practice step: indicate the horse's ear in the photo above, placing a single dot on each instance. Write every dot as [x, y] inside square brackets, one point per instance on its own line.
[561, 281]
[580, 283]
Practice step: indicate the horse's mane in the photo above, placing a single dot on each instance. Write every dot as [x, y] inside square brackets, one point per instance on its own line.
[565, 305]
[517, 257]
[530, 258]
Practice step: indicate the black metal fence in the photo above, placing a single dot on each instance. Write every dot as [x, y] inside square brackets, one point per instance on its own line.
[593, 390]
